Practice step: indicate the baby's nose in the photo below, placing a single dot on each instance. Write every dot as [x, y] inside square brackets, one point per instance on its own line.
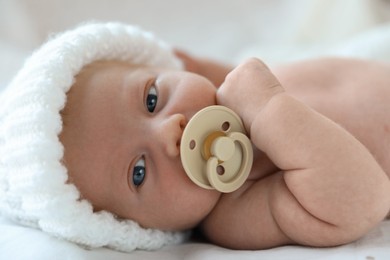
[171, 133]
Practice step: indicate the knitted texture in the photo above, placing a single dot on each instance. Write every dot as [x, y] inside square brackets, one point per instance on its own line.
[33, 181]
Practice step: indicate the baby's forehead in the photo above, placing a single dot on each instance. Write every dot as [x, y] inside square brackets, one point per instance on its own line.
[103, 75]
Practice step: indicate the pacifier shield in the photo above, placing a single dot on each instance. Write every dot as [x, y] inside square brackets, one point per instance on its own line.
[215, 152]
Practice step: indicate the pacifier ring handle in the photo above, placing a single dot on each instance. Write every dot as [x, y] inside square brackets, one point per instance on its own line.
[239, 178]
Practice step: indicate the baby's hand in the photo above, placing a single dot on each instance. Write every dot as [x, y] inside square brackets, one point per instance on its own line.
[247, 89]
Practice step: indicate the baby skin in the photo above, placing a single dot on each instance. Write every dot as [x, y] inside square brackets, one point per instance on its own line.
[321, 139]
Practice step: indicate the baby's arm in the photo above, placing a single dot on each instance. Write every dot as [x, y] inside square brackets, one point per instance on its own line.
[330, 189]
[213, 70]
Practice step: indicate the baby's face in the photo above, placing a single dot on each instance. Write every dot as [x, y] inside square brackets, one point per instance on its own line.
[122, 131]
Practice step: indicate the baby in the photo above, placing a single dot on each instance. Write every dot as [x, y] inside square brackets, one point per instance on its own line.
[320, 135]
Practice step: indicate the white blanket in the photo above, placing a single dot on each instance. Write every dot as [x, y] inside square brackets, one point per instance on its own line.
[276, 31]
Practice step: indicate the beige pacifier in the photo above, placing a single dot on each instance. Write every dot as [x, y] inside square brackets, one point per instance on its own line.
[215, 152]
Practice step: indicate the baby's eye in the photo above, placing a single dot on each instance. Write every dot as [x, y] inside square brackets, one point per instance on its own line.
[139, 172]
[151, 99]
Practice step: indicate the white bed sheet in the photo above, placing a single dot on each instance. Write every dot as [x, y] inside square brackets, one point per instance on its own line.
[229, 30]
[274, 30]
[19, 242]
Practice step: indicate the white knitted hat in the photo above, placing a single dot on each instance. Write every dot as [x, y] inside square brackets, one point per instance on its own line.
[33, 189]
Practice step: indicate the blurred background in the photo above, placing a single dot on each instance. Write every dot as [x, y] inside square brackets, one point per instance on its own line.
[228, 30]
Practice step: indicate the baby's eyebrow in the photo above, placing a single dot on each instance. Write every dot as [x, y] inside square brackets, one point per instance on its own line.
[132, 95]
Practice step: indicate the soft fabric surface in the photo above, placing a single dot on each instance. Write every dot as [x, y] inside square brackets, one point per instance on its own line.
[18, 242]
[276, 31]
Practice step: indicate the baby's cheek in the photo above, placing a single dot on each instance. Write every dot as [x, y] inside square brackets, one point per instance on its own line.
[191, 209]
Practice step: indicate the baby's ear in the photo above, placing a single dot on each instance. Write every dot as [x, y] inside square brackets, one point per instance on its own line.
[190, 63]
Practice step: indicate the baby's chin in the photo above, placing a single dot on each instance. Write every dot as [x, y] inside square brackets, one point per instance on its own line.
[188, 215]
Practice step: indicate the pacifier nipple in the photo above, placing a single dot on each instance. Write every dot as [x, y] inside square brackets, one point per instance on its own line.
[223, 148]
[215, 152]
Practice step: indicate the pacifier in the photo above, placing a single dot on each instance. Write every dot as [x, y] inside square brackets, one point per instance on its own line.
[215, 152]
